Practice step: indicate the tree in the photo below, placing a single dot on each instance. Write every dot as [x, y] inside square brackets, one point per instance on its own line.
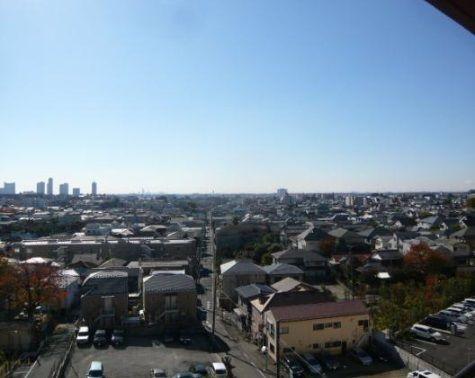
[471, 202]
[424, 260]
[27, 286]
[328, 246]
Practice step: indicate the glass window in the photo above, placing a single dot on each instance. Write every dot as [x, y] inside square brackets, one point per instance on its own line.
[318, 326]
[337, 325]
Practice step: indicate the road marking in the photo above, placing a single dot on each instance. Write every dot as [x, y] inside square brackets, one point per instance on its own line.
[31, 368]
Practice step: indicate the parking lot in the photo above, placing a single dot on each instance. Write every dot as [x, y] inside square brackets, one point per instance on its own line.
[139, 355]
[449, 357]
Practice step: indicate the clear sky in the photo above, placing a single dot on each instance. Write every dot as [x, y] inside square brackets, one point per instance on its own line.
[236, 96]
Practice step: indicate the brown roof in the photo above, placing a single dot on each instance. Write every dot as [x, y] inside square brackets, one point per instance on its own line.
[319, 310]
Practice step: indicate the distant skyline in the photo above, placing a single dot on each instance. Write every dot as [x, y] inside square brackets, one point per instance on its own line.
[236, 97]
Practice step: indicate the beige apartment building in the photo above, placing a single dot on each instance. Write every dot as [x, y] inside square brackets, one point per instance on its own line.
[332, 327]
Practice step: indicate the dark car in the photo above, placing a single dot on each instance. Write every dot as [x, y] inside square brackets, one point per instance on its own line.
[169, 337]
[100, 338]
[329, 362]
[185, 338]
[117, 338]
[293, 366]
[199, 369]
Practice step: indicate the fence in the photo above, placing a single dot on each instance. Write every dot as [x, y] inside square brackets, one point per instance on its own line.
[59, 368]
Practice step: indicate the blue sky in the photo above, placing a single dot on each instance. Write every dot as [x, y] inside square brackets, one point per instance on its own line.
[241, 96]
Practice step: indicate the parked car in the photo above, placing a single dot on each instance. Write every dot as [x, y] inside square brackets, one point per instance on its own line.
[117, 337]
[329, 361]
[293, 366]
[82, 337]
[452, 317]
[426, 332]
[460, 312]
[440, 322]
[185, 338]
[157, 373]
[100, 338]
[361, 356]
[169, 337]
[187, 374]
[422, 374]
[199, 369]
[218, 370]
[470, 302]
[96, 370]
[312, 364]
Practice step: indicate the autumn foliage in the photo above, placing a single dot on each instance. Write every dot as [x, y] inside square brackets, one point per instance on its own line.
[25, 286]
[424, 260]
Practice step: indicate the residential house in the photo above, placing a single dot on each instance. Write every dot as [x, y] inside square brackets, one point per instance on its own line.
[104, 299]
[238, 273]
[285, 298]
[277, 271]
[314, 265]
[331, 327]
[246, 294]
[311, 239]
[169, 300]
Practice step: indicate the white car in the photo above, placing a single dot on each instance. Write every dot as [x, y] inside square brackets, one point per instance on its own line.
[218, 370]
[422, 374]
[426, 332]
[452, 316]
[470, 302]
[82, 337]
[458, 311]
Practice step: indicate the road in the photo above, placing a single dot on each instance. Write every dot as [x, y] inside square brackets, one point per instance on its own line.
[245, 357]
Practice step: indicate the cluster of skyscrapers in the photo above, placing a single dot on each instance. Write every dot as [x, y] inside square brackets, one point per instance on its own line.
[43, 188]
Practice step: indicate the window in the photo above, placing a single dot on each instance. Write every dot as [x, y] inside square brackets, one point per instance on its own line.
[272, 348]
[315, 346]
[328, 325]
[363, 323]
[283, 330]
[337, 325]
[318, 326]
[332, 344]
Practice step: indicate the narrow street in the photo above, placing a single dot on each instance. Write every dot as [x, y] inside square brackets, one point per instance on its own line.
[245, 357]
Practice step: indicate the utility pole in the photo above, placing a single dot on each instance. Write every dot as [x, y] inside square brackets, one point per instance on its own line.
[277, 350]
[213, 251]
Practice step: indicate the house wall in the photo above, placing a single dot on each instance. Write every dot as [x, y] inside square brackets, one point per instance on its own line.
[92, 307]
[154, 307]
[230, 282]
[302, 336]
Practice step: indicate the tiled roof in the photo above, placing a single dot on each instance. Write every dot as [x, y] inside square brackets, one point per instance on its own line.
[254, 290]
[241, 267]
[281, 268]
[169, 283]
[106, 282]
[319, 310]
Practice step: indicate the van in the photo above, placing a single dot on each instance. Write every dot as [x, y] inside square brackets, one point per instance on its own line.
[96, 370]
[426, 332]
[218, 369]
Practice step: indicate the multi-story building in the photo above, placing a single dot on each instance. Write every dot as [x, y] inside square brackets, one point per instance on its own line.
[49, 189]
[9, 188]
[94, 188]
[331, 327]
[76, 192]
[40, 188]
[64, 189]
